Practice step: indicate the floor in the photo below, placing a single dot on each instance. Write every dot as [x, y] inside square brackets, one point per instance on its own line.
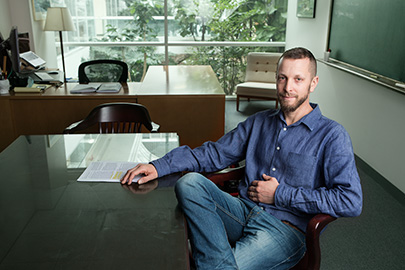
[375, 239]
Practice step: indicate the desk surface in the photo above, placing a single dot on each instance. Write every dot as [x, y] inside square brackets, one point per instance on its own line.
[190, 80]
[50, 221]
[159, 80]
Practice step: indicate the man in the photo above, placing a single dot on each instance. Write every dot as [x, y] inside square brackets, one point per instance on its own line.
[298, 164]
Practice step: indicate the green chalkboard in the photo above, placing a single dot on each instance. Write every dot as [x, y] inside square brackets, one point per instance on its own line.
[370, 34]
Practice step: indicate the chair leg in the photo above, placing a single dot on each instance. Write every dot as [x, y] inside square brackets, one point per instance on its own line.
[237, 103]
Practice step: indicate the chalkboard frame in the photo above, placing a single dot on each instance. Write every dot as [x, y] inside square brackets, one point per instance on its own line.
[345, 63]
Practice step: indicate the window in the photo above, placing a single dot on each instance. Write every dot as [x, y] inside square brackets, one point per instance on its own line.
[219, 33]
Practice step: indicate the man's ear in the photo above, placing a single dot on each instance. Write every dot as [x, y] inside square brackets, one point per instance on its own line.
[314, 83]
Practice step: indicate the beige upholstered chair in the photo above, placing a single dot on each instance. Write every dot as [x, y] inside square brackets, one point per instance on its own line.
[260, 79]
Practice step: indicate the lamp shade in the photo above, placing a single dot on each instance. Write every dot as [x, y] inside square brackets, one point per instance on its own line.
[58, 19]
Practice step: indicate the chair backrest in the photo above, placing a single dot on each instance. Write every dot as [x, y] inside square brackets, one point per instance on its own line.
[104, 70]
[261, 67]
[115, 118]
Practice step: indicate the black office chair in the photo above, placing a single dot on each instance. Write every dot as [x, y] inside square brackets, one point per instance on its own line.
[312, 257]
[104, 70]
[115, 118]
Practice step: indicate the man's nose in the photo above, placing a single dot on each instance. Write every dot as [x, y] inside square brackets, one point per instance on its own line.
[288, 86]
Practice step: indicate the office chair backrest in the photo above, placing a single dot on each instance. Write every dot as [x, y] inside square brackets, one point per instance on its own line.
[261, 67]
[115, 118]
[104, 70]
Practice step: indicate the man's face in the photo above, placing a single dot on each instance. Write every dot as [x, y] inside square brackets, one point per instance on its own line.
[294, 83]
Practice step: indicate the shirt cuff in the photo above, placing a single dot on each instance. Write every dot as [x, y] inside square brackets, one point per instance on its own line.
[282, 197]
[162, 167]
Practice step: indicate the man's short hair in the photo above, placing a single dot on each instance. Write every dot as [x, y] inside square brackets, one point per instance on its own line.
[299, 53]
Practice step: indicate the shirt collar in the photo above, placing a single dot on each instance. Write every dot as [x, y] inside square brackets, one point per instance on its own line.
[310, 120]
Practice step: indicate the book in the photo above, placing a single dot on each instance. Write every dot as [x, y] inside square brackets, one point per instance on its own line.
[35, 88]
[112, 87]
[48, 77]
[107, 171]
[85, 88]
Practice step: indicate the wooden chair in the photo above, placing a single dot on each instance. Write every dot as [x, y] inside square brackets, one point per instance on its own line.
[312, 257]
[260, 78]
[116, 118]
[104, 70]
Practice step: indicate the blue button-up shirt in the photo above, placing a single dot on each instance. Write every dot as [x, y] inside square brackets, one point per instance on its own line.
[312, 160]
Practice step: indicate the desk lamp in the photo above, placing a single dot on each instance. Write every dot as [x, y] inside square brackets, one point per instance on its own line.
[59, 19]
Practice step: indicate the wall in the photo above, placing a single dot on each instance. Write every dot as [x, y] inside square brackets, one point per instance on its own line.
[308, 33]
[372, 114]
[5, 24]
[19, 13]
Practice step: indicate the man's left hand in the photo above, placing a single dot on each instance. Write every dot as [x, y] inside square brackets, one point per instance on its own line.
[263, 191]
[142, 189]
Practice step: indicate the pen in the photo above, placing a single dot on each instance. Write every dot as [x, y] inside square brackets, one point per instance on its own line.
[4, 65]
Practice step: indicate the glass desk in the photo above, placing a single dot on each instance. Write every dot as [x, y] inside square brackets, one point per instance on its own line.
[48, 220]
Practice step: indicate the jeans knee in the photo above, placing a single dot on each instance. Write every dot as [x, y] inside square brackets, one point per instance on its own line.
[186, 182]
[189, 185]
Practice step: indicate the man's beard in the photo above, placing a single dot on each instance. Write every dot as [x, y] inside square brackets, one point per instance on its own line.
[293, 107]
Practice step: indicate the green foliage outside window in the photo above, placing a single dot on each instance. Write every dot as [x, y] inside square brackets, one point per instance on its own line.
[209, 20]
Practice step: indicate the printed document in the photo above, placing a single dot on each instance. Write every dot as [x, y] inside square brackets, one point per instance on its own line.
[107, 171]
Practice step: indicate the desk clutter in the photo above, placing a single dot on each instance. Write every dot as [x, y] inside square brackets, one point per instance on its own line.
[34, 88]
[111, 87]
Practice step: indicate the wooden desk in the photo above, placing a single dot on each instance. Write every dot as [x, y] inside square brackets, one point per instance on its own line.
[187, 100]
[51, 221]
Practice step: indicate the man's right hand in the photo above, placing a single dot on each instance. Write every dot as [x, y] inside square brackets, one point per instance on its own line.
[148, 171]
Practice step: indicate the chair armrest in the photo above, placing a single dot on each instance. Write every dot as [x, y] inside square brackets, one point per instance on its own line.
[226, 175]
[314, 228]
[155, 127]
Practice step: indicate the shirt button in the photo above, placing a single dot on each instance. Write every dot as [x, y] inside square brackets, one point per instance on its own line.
[274, 169]
[278, 148]
[284, 129]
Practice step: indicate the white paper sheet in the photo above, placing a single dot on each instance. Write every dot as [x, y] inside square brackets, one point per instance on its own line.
[107, 171]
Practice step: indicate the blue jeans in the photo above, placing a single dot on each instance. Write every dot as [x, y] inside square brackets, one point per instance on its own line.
[231, 233]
